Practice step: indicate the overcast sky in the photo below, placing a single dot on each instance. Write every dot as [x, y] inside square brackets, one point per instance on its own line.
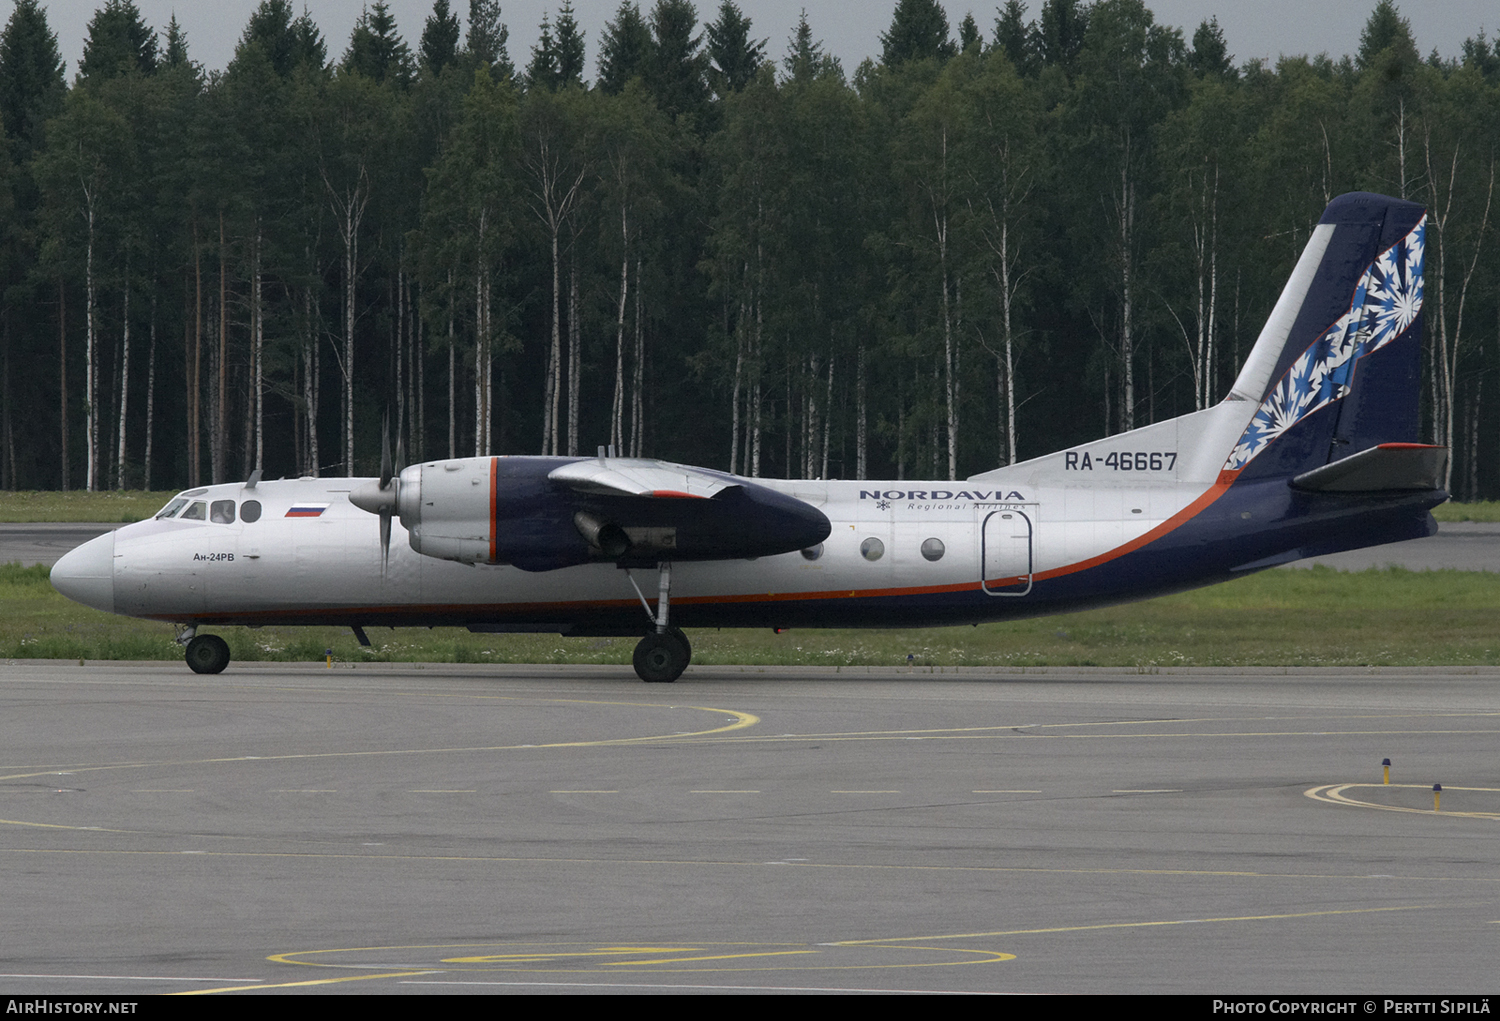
[850, 29]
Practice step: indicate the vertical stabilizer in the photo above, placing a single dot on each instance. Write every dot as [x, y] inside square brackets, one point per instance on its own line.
[1337, 368]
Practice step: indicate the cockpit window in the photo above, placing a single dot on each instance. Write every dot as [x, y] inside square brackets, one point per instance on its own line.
[171, 509]
[250, 511]
[222, 512]
[196, 511]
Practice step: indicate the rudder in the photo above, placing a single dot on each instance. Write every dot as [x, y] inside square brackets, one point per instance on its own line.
[1346, 373]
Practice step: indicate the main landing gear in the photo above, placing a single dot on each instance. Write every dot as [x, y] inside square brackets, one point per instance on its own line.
[665, 652]
[206, 654]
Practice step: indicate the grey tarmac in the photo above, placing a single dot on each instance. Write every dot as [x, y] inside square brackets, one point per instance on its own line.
[396, 829]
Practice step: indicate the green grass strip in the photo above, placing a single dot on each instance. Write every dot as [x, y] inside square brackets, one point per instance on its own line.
[116, 505]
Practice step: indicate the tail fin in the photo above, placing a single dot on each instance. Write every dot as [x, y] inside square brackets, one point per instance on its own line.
[1337, 368]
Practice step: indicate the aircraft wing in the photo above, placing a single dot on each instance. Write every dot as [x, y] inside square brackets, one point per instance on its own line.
[621, 476]
[545, 513]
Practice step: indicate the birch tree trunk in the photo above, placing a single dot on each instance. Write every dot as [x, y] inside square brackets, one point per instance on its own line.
[1127, 352]
[258, 316]
[555, 192]
[637, 399]
[575, 354]
[861, 416]
[452, 372]
[62, 380]
[150, 398]
[195, 373]
[217, 449]
[91, 395]
[1439, 215]
[617, 406]
[349, 206]
[310, 368]
[124, 382]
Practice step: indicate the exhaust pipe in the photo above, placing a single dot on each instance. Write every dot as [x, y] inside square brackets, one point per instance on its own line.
[606, 537]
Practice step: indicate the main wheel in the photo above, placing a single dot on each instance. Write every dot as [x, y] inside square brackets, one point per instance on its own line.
[661, 658]
[208, 654]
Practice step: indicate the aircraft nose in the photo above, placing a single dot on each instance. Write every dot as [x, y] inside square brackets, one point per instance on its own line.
[87, 574]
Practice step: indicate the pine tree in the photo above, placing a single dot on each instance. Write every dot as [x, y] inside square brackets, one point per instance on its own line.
[624, 49]
[570, 62]
[1060, 36]
[119, 41]
[440, 34]
[1210, 56]
[919, 30]
[734, 55]
[175, 52]
[312, 48]
[376, 50]
[1478, 54]
[486, 39]
[805, 59]
[270, 30]
[676, 74]
[1014, 38]
[542, 72]
[31, 76]
[1386, 30]
[968, 33]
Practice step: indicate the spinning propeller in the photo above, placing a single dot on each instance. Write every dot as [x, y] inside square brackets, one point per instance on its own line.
[380, 497]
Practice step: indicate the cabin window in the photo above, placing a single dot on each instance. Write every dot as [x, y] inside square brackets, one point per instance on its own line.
[250, 511]
[813, 552]
[932, 549]
[872, 549]
[196, 511]
[171, 509]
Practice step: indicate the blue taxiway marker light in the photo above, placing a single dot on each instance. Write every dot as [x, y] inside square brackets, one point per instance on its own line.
[1387, 764]
[1437, 792]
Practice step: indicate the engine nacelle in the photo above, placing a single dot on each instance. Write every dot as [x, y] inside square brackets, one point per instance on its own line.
[506, 510]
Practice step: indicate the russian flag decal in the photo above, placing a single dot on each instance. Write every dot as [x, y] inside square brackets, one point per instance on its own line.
[307, 510]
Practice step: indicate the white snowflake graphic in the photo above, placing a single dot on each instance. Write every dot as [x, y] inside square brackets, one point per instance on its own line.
[1385, 302]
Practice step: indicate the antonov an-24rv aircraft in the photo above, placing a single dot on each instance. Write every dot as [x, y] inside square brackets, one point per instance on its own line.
[1313, 451]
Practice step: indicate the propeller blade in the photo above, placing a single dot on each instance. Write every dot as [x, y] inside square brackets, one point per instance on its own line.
[385, 451]
[385, 538]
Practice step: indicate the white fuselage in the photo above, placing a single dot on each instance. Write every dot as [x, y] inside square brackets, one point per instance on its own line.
[311, 556]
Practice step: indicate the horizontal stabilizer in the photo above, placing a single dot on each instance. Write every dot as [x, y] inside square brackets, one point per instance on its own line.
[1387, 467]
[622, 476]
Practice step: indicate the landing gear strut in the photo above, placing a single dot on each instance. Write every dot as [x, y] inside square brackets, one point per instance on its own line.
[665, 652]
[208, 654]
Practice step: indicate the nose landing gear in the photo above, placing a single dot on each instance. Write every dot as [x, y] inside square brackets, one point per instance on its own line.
[207, 654]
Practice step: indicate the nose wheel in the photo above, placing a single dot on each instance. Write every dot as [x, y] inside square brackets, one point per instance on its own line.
[208, 654]
[662, 656]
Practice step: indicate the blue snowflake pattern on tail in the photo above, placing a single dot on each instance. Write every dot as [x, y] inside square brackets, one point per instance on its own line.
[1386, 301]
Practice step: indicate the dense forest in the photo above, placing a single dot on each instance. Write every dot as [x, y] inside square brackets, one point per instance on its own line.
[690, 243]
